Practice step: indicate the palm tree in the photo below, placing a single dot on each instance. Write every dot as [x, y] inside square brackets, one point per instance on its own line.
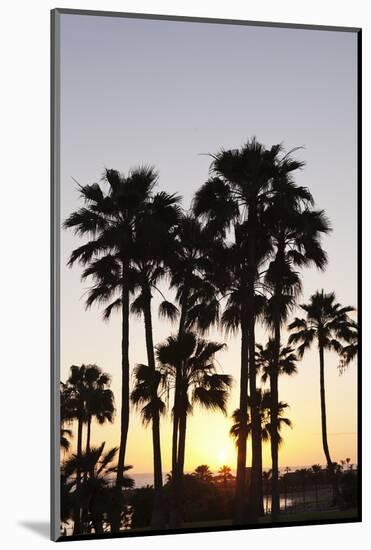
[203, 473]
[84, 395]
[295, 230]
[96, 493]
[264, 401]
[267, 476]
[153, 243]
[149, 386]
[224, 474]
[100, 402]
[190, 268]
[67, 415]
[237, 195]
[107, 220]
[199, 383]
[329, 324]
[264, 404]
[264, 358]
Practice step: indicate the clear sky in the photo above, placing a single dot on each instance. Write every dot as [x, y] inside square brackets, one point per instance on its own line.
[158, 92]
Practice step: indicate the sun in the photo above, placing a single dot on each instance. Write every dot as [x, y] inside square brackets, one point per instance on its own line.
[222, 456]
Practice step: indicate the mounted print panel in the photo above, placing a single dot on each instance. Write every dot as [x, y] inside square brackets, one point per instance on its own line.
[205, 280]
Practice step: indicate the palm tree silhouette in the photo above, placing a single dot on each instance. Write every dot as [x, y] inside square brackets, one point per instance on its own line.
[190, 268]
[266, 361]
[96, 493]
[329, 324]
[238, 195]
[224, 474]
[108, 220]
[99, 399]
[264, 401]
[153, 242]
[203, 473]
[264, 404]
[199, 384]
[264, 358]
[295, 230]
[84, 395]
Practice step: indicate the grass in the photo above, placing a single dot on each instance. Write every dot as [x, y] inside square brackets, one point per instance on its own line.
[286, 518]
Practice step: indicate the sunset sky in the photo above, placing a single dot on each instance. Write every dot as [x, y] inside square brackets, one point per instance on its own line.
[166, 93]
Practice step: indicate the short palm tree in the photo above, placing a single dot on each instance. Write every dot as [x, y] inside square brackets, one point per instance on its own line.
[189, 267]
[84, 395]
[264, 403]
[100, 403]
[199, 384]
[224, 474]
[328, 324]
[96, 493]
[264, 358]
[203, 473]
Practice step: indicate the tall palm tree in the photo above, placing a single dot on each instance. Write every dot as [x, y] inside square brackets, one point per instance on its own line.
[107, 221]
[199, 383]
[295, 229]
[147, 395]
[153, 243]
[238, 193]
[328, 324]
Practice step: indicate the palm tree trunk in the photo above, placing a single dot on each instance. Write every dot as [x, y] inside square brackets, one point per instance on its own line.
[275, 506]
[330, 465]
[175, 512]
[88, 435]
[256, 493]
[157, 465]
[125, 395]
[77, 509]
[158, 512]
[241, 490]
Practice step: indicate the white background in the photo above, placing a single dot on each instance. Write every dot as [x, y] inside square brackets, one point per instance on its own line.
[24, 273]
